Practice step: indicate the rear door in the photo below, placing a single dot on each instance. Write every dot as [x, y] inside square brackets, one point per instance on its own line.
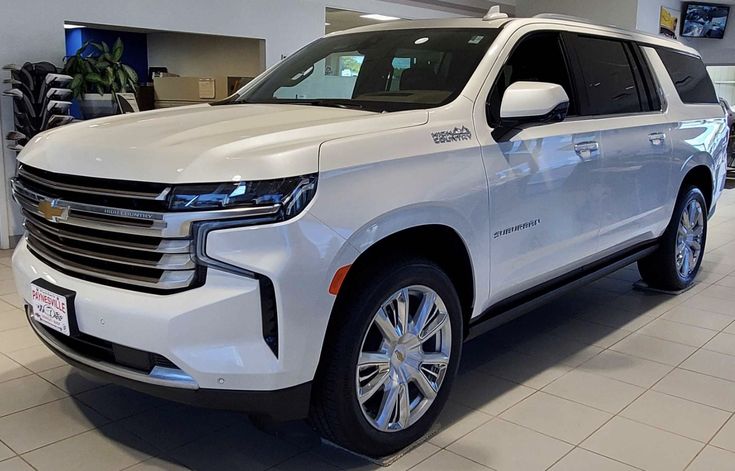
[618, 91]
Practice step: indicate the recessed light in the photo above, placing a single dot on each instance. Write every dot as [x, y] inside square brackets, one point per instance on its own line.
[71, 26]
[375, 16]
[421, 41]
[327, 24]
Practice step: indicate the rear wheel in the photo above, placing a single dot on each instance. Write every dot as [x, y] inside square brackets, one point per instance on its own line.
[676, 263]
[389, 363]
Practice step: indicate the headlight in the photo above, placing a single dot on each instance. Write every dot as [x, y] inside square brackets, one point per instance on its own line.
[293, 194]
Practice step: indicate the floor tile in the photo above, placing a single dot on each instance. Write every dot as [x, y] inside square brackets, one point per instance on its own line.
[651, 348]
[42, 425]
[563, 351]
[613, 316]
[303, 461]
[713, 459]
[16, 339]
[700, 388]
[626, 368]
[698, 317]
[502, 446]
[596, 391]
[723, 343]
[28, 391]
[590, 332]
[711, 363]
[725, 438]
[108, 448]
[728, 281]
[10, 369]
[237, 447]
[708, 303]
[456, 421]
[720, 292]
[582, 460]
[173, 425]
[15, 464]
[71, 379]
[5, 452]
[487, 393]
[530, 370]
[677, 332]
[556, 417]
[13, 299]
[642, 446]
[690, 419]
[12, 319]
[37, 358]
[445, 460]
[115, 402]
[159, 464]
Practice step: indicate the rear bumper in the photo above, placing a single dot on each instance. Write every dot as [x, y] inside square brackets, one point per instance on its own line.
[281, 404]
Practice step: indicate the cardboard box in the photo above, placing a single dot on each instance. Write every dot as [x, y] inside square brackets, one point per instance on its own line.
[188, 90]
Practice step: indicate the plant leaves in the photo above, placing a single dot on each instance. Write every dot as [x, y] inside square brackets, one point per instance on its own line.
[117, 50]
[122, 78]
[93, 78]
[100, 90]
[97, 46]
[132, 74]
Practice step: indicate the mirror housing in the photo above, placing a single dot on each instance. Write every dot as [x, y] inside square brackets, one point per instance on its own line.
[534, 102]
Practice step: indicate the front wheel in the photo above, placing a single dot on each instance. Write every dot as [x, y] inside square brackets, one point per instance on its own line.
[389, 362]
[677, 261]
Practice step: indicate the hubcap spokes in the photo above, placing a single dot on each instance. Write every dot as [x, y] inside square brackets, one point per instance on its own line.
[404, 358]
[689, 239]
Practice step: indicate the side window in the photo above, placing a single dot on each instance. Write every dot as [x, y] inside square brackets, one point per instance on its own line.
[538, 57]
[651, 97]
[607, 77]
[690, 77]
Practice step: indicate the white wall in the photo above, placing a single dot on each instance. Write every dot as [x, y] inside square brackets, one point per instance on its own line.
[198, 55]
[34, 32]
[610, 12]
[714, 51]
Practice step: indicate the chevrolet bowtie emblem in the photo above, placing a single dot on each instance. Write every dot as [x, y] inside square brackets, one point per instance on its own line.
[52, 211]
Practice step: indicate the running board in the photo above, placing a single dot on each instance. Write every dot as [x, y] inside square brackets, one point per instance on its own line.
[519, 304]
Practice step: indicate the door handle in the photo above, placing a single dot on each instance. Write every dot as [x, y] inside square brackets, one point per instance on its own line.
[657, 138]
[585, 149]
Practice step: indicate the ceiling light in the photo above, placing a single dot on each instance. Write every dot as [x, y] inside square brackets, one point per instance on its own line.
[72, 26]
[327, 24]
[376, 17]
[421, 41]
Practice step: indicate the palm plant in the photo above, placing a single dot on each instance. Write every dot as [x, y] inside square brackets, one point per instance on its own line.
[100, 70]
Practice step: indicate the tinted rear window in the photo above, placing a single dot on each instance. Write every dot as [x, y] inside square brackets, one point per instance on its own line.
[608, 78]
[689, 76]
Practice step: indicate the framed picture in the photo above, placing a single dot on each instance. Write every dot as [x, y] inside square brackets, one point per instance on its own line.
[669, 22]
[126, 103]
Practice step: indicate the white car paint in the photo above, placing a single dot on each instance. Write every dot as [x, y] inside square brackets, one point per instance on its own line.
[378, 174]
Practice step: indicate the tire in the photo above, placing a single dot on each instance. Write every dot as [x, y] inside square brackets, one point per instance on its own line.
[337, 413]
[665, 269]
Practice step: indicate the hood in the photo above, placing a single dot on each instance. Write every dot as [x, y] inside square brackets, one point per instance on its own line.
[204, 143]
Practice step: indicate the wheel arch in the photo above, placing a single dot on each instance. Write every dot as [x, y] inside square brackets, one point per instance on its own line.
[701, 177]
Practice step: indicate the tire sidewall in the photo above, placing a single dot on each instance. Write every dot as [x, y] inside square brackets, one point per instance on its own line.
[363, 305]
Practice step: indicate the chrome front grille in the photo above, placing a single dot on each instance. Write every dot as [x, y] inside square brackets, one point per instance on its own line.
[113, 231]
[113, 245]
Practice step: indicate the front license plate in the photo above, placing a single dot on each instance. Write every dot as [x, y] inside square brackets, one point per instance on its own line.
[53, 307]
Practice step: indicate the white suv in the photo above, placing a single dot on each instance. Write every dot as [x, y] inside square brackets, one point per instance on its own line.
[322, 242]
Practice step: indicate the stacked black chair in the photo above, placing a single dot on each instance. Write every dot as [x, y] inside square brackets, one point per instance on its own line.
[41, 100]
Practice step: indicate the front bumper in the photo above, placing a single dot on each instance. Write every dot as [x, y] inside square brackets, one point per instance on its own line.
[283, 404]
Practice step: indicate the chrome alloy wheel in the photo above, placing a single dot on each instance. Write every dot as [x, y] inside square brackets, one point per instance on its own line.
[689, 239]
[404, 358]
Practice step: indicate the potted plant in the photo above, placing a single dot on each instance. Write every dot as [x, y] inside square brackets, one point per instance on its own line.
[98, 72]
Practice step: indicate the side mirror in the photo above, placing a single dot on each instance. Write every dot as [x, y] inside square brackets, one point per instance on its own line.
[534, 102]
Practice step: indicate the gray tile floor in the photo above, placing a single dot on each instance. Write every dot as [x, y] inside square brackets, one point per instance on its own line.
[605, 379]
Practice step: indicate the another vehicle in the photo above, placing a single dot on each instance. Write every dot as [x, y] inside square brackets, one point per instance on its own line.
[324, 241]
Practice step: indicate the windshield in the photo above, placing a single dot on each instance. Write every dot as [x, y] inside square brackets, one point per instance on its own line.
[377, 71]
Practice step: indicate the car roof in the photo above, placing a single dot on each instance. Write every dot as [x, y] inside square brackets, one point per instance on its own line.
[516, 23]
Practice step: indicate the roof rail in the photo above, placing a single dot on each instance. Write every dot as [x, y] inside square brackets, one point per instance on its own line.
[555, 16]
